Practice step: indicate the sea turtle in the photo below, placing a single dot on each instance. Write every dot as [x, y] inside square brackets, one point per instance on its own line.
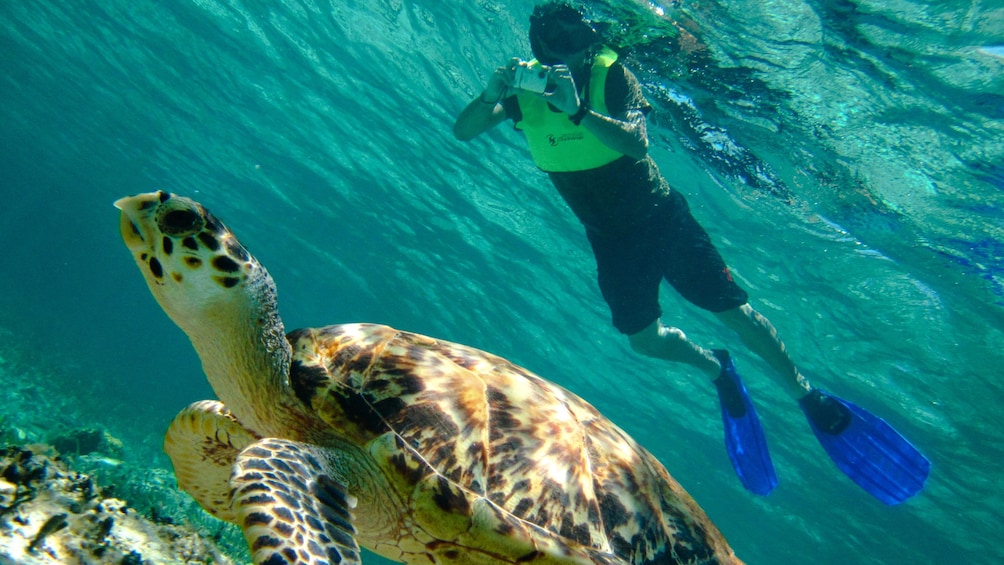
[423, 451]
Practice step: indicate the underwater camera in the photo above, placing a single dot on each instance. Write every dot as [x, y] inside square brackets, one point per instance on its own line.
[530, 78]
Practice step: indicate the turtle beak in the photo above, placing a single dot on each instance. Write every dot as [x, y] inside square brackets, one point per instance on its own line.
[136, 213]
[123, 203]
[143, 201]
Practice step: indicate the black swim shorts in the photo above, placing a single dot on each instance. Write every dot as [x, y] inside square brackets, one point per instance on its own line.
[672, 246]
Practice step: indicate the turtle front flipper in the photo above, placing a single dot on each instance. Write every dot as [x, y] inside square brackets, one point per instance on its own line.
[291, 507]
[203, 442]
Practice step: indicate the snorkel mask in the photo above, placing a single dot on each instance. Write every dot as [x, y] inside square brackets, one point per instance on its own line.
[558, 29]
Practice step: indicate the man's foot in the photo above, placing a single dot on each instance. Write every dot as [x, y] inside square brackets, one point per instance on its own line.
[744, 438]
[866, 448]
[826, 413]
[728, 384]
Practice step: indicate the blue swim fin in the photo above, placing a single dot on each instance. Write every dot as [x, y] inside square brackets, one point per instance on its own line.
[744, 438]
[866, 448]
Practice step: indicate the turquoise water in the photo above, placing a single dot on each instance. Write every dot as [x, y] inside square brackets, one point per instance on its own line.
[847, 157]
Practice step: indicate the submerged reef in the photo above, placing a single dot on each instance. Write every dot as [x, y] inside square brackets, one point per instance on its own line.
[83, 479]
[86, 442]
[51, 514]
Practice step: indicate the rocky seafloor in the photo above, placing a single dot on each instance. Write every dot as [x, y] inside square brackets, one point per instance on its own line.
[72, 492]
[51, 514]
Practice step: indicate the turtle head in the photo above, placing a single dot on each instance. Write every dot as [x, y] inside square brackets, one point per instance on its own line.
[190, 260]
[213, 289]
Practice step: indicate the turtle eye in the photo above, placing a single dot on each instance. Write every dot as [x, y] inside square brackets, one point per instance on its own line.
[180, 223]
[180, 217]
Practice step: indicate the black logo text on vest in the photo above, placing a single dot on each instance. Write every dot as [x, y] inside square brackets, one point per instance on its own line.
[554, 140]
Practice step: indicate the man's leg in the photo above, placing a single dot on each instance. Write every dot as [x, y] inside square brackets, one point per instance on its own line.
[760, 336]
[744, 438]
[671, 344]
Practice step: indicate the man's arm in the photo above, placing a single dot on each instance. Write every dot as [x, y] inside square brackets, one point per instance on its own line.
[485, 112]
[482, 114]
[625, 133]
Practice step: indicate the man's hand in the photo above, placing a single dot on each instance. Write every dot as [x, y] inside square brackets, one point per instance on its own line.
[564, 96]
[561, 91]
[500, 81]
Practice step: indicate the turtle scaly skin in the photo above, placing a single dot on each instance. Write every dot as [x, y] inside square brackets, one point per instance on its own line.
[424, 451]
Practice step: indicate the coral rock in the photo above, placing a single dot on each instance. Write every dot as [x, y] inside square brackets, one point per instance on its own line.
[52, 515]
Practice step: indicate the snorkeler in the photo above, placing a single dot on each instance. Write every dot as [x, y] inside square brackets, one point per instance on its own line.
[583, 115]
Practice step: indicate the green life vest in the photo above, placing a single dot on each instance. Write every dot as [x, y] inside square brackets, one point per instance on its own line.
[558, 145]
